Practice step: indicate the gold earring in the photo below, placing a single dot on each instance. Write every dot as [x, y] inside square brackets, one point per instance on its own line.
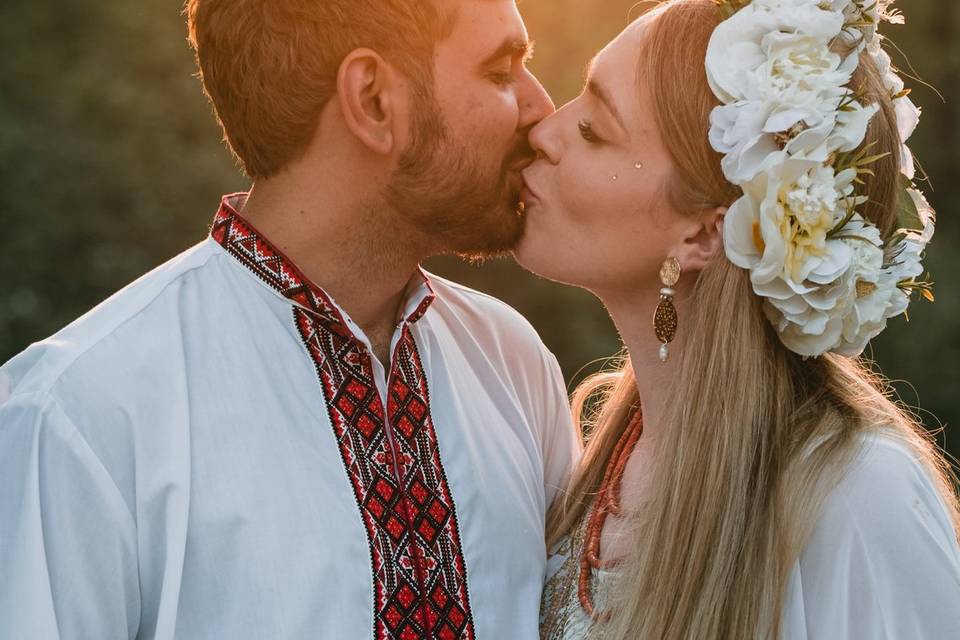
[665, 318]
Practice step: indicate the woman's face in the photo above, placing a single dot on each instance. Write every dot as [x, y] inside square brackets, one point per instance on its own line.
[597, 213]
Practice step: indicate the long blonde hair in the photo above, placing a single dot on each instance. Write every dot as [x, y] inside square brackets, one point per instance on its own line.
[756, 437]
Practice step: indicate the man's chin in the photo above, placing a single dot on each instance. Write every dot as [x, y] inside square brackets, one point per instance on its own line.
[498, 235]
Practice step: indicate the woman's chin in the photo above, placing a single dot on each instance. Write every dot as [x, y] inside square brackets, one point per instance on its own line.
[536, 254]
[530, 251]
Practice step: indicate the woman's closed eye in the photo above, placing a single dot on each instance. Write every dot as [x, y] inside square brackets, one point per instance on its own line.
[587, 132]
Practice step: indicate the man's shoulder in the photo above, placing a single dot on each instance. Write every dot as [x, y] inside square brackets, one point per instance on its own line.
[484, 312]
[105, 335]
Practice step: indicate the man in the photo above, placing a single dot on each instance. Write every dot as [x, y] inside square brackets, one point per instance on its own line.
[290, 430]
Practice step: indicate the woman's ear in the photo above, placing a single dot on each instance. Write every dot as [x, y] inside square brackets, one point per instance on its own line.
[367, 92]
[703, 240]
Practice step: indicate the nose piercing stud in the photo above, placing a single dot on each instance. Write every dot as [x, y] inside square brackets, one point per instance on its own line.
[639, 165]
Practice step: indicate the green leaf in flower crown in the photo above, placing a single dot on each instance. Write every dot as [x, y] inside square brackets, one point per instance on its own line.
[730, 7]
[908, 217]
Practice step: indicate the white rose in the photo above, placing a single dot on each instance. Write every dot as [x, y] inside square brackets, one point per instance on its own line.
[806, 339]
[876, 274]
[835, 316]
[734, 51]
[794, 95]
[904, 260]
[736, 130]
[908, 114]
[735, 48]
[851, 128]
[779, 228]
[908, 117]
[752, 234]
[820, 18]
[866, 265]
[882, 61]
[799, 71]
[928, 216]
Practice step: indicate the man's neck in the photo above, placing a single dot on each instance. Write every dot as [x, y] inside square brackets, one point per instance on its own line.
[362, 259]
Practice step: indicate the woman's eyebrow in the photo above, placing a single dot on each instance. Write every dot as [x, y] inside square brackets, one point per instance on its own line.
[601, 93]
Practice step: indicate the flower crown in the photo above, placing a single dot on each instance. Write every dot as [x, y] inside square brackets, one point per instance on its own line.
[791, 129]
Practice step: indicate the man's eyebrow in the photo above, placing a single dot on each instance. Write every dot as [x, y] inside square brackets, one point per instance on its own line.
[511, 48]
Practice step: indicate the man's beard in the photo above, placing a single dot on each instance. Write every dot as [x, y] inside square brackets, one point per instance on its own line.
[447, 194]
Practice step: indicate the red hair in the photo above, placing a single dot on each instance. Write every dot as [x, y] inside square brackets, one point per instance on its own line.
[269, 67]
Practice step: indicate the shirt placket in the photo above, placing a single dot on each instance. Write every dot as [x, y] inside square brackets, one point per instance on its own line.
[386, 382]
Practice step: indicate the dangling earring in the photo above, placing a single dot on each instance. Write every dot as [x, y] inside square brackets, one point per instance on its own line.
[665, 318]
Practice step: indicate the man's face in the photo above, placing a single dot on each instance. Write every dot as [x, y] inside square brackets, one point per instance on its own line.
[459, 180]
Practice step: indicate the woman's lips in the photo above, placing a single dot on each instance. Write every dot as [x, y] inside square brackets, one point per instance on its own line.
[528, 194]
[527, 197]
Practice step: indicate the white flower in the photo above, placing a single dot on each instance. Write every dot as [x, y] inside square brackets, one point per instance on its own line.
[870, 290]
[884, 12]
[779, 228]
[882, 61]
[828, 281]
[908, 117]
[787, 95]
[851, 127]
[908, 114]
[737, 131]
[809, 324]
[736, 50]
[845, 313]
[904, 260]
[801, 72]
[928, 218]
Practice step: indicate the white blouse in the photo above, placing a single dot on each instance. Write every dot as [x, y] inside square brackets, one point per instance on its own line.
[214, 453]
[883, 562]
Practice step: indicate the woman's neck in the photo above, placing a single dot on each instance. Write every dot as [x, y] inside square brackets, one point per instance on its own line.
[633, 317]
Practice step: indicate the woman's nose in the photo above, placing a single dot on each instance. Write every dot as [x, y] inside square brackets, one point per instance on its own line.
[545, 139]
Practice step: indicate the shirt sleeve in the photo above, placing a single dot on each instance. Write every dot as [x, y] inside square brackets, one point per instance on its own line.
[68, 550]
[883, 562]
[561, 444]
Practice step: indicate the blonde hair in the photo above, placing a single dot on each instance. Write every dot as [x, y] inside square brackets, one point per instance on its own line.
[756, 437]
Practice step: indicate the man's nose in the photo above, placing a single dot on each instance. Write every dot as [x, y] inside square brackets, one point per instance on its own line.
[535, 102]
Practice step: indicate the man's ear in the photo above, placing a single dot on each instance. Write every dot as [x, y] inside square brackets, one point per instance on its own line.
[703, 240]
[367, 91]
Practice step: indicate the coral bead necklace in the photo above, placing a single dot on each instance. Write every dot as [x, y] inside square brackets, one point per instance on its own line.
[607, 502]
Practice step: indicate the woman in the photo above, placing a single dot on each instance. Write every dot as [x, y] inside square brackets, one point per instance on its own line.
[775, 491]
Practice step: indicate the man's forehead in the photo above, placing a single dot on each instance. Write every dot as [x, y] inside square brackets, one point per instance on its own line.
[487, 23]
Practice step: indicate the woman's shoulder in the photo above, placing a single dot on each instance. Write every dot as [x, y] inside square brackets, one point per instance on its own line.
[886, 482]
[882, 560]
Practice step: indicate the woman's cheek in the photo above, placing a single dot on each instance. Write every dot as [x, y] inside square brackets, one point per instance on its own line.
[585, 186]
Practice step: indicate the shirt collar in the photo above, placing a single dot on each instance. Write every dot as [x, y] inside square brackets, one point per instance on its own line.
[242, 241]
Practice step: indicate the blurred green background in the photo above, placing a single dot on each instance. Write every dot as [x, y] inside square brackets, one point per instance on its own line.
[111, 163]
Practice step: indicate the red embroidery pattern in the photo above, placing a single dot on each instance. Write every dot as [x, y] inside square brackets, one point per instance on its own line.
[419, 575]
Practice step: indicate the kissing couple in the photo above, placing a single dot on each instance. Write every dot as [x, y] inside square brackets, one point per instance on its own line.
[292, 431]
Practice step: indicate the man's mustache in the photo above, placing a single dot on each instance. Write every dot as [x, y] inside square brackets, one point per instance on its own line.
[520, 156]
